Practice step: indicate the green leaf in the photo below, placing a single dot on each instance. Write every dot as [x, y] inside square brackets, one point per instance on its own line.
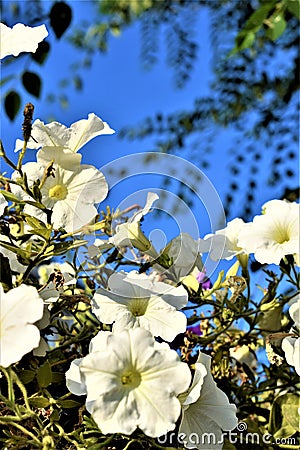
[115, 29]
[58, 377]
[276, 28]
[39, 402]
[5, 273]
[44, 375]
[34, 222]
[41, 53]
[77, 80]
[12, 104]
[38, 227]
[42, 232]
[60, 18]
[32, 83]
[11, 197]
[284, 432]
[294, 7]
[243, 40]
[60, 248]
[290, 414]
[54, 416]
[284, 415]
[24, 254]
[36, 204]
[256, 19]
[249, 372]
[69, 404]
[26, 376]
[36, 192]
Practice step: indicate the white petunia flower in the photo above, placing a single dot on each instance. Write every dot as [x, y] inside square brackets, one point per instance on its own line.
[134, 300]
[185, 254]
[291, 345]
[74, 138]
[20, 38]
[132, 382]
[20, 308]
[70, 194]
[243, 354]
[224, 243]
[130, 233]
[74, 378]
[274, 234]
[206, 411]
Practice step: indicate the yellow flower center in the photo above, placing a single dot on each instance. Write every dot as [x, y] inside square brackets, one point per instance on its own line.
[58, 192]
[131, 379]
[282, 235]
[138, 306]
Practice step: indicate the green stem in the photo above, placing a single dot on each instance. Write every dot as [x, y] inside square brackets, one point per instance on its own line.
[23, 390]
[6, 159]
[10, 387]
[21, 156]
[25, 431]
[33, 263]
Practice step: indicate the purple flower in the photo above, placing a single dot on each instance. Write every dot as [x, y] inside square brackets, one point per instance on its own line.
[195, 329]
[204, 281]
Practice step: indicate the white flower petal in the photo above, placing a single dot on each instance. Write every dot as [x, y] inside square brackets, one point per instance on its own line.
[151, 198]
[82, 188]
[130, 305]
[89, 185]
[73, 138]
[106, 305]
[209, 415]
[291, 348]
[16, 342]
[133, 383]
[60, 156]
[20, 38]
[194, 391]
[99, 342]
[294, 312]
[74, 379]
[224, 243]
[141, 285]
[84, 130]
[19, 309]
[274, 234]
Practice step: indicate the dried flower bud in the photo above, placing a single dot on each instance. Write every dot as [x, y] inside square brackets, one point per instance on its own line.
[27, 124]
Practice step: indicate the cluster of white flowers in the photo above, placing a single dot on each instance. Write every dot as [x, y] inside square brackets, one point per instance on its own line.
[71, 189]
[131, 377]
[270, 236]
